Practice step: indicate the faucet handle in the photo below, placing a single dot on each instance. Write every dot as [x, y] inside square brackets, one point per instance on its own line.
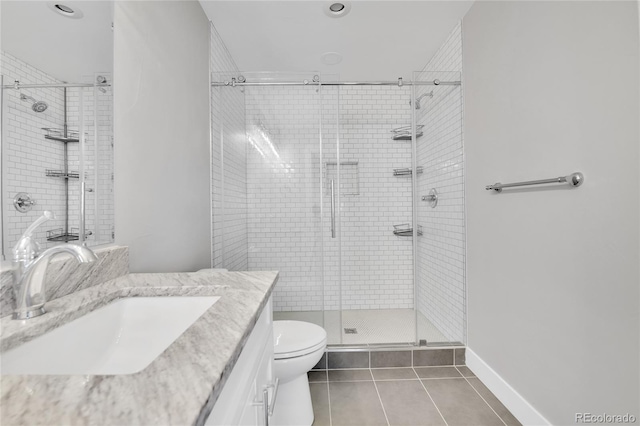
[26, 248]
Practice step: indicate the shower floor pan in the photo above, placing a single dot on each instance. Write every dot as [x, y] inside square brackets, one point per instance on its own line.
[369, 327]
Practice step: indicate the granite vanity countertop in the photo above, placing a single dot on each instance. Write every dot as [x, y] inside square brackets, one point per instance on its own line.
[179, 387]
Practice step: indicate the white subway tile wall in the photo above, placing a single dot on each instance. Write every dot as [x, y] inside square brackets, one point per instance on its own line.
[28, 155]
[228, 164]
[289, 196]
[283, 125]
[376, 264]
[441, 250]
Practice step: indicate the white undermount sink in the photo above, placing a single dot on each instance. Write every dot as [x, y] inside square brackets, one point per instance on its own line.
[122, 337]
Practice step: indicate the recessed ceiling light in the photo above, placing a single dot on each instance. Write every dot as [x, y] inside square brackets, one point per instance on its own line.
[65, 10]
[335, 9]
[331, 58]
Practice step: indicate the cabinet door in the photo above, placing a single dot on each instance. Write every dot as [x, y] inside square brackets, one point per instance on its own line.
[265, 382]
[250, 411]
[240, 402]
[256, 410]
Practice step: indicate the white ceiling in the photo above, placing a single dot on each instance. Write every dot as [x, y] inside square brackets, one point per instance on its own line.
[64, 48]
[378, 40]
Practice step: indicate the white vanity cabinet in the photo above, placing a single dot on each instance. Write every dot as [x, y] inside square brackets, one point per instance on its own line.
[242, 401]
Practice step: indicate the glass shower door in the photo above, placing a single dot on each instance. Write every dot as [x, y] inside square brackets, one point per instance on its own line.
[374, 203]
[267, 205]
[440, 252]
[331, 172]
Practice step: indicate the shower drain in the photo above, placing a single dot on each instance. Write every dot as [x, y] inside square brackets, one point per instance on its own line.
[350, 331]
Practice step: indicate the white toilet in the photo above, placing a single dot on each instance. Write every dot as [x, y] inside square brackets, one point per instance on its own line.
[298, 346]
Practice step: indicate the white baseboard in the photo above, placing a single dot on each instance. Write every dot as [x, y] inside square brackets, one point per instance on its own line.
[519, 407]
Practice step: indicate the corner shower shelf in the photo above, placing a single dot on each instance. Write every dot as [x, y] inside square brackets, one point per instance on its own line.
[404, 133]
[65, 140]
[59, 135]
[62, 174]
[59, 234]
[407, 171]
[405, 230]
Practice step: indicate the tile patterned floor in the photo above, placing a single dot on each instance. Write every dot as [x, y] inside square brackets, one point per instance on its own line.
[448, 396]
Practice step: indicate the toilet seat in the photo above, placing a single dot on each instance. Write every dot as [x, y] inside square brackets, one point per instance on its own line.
[297, 338]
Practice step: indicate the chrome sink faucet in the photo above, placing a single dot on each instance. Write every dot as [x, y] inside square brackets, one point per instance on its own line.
[30, 267]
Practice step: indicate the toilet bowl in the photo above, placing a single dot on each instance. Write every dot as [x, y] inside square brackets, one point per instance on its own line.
[298, 346]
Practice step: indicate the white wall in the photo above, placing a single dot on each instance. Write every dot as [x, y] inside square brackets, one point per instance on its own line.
[552, 88]
[161, 126]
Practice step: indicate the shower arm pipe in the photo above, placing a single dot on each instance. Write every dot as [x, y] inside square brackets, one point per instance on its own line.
[52, 85]
[339, 83]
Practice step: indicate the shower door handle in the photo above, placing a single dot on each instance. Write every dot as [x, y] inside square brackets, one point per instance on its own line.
[333, 210]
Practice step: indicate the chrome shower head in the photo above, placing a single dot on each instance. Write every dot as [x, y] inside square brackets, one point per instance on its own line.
[38, 106]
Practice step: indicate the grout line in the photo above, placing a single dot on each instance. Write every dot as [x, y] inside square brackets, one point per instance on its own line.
[390, 368]
[381, 403]
[395, 380]
[432, 401]
[440, 378]
[347, 369]
[329, 400]
[435, 366]
[485, 401]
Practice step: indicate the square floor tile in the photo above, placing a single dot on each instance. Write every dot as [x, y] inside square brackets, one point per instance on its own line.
[431, 357]
[317, 376]
[406, 403]
[320, 401]
[349, 375]
[494, 402]
[355, 403]
[393, 373]
[465, 371]
[460, 404]
[437, 372]
[381, 359]
[348, 360]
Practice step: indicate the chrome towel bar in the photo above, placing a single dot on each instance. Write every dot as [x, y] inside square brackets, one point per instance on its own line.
[574, 179]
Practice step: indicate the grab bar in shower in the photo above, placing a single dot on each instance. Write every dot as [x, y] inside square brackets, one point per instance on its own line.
[574, 179]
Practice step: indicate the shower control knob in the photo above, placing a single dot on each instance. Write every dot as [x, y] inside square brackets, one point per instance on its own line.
[23, 202]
